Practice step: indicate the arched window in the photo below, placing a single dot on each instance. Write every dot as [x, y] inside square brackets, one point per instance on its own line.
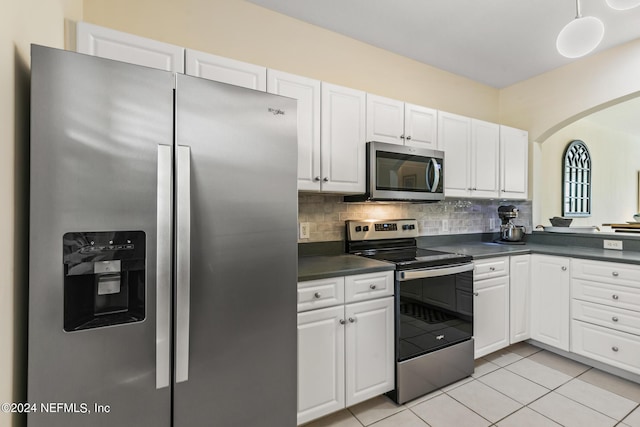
[576, 188]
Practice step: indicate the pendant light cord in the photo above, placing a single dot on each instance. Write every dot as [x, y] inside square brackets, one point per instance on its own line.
[578, 12]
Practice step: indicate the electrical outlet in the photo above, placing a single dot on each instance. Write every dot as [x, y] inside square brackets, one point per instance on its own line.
[613, 244]
[304, 230]
[492, 223]
[445, 225]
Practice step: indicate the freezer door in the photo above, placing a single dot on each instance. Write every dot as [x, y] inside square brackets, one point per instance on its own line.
[236, 285]
[100, 242]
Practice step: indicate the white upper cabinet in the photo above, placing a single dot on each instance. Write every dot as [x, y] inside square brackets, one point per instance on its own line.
[421, 126]
[485, 156]
[342, 139]
[307, 92]
[514, 163]
[111, 44]
[226, 70]
[396, 122]
[454, 135]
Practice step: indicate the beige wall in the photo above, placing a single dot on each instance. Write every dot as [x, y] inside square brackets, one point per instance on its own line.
[616, 162]
[21, 23]
[244, 31]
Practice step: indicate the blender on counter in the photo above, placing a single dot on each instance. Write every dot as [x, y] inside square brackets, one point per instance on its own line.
[509, 232]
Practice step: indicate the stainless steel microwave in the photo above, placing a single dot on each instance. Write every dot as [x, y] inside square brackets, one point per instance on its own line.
[401, 173]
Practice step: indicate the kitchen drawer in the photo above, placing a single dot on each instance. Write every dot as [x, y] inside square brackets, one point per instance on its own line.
[320, 293]
[610, 317]
[606, 345]
[605, 293]
[368, 286]
[492, 267]
[610, 272]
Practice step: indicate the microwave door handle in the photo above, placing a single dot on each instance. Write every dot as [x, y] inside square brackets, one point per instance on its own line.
[426, 173]
[436, 175]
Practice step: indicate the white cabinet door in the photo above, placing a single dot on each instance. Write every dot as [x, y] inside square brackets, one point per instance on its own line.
[421, 126]
[485, 158]
[369, 349]
[454, 136]
[385, 120]
[307, 92]
[520, 297]
[343, 139]
[514, 163]
[491, 315]
[550, 291]
[320, 362]
[111, 44]
[226, 70]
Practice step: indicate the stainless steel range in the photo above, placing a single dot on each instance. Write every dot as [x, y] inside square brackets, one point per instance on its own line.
[434, 305]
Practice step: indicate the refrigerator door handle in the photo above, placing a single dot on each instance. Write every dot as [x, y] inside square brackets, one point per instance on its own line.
[183, 266]
[163, 267]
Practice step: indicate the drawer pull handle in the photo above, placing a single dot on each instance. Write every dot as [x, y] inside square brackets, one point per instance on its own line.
[317, 295]
[614, 318]
[492, 268]
[564, 268]
[614, 348]
[614, 296]
[372, 286]
[342, 322]
[615, 274]
[352, 320]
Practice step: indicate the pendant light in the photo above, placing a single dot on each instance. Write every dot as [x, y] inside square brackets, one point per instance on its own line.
[580, 36]
[623, 4]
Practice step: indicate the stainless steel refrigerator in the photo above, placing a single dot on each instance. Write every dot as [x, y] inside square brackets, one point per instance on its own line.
[163, 249]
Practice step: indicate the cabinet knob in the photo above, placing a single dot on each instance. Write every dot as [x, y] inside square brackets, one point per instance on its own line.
[317, 178]
[342, 322]
[409, 137]
[401, 136]
[475, 294]
[325, 179]
[352, 320]
[614, 318]
[492, 268]
[614, 348]
[372, 286]
[614, 296]
[615, 274]
[317, 295]
[564, 268]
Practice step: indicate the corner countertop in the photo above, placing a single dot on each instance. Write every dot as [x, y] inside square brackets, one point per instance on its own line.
[322, 267]
[480, 250]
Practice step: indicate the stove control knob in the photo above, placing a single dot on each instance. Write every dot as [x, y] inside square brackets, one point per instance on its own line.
[358, 228]
[412, 227]
[405, 227]
[365, 228]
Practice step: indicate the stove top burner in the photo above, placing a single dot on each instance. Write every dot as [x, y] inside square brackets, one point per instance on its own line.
[409, 258]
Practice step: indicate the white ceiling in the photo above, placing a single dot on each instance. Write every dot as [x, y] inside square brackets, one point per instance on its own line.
[495, 42]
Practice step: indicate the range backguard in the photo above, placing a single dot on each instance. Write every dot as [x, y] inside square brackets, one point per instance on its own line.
[104, 279]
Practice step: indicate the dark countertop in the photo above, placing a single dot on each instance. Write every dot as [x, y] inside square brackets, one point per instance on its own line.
[480, 250]
[322, 267]
[331, 263]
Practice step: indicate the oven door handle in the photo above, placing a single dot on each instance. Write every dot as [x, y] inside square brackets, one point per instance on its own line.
[403, 276]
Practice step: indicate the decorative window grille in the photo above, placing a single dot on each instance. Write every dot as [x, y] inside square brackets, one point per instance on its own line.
[576, 189]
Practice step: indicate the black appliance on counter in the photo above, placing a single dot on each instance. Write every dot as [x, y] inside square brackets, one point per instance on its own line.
[433, 305]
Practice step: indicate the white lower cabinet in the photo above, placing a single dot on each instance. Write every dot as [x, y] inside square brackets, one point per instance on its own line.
[519, 297]
[605, 311]
[491, 305]
[550, 300]
[345, 352]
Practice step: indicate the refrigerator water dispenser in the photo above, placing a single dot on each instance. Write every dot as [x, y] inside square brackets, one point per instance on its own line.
[104, 279]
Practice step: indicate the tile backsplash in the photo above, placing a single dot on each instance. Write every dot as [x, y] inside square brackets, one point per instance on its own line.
[326, 215]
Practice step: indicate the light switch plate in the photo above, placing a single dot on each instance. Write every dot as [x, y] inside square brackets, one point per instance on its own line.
[304, 230]
[445, 225]
[613, 244]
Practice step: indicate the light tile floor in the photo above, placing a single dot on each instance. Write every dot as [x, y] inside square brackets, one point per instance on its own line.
[520, 386]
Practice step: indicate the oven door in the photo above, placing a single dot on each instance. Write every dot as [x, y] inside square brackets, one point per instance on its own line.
[397, 172]
[434, 309]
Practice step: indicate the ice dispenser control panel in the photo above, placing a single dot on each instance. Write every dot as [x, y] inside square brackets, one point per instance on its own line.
[104, 278]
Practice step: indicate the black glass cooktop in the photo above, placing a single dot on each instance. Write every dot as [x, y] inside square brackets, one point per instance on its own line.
[406, 258]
